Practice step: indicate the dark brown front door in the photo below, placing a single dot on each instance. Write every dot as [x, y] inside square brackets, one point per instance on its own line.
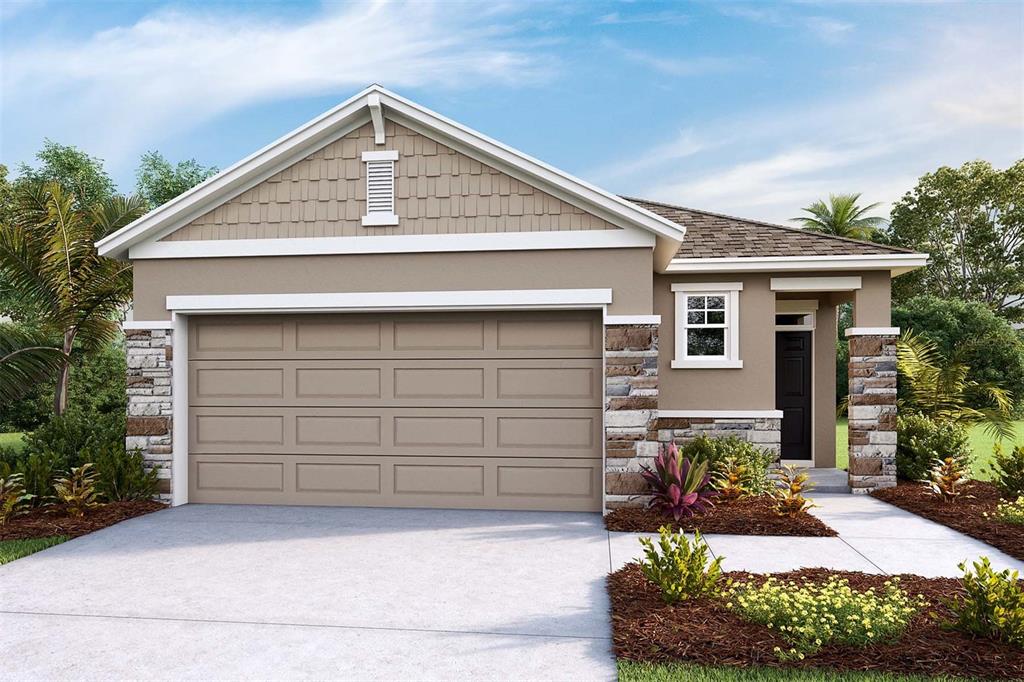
[793, 392]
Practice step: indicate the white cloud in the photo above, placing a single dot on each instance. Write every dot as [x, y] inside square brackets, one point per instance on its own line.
[12, 8]
[825, 29]
[175, 69]
[665, 17]
[674, 66]
[956, 95]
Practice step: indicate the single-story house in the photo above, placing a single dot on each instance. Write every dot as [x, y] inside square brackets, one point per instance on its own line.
[386, 308]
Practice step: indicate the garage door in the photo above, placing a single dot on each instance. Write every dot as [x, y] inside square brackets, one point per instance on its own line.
[487, 411]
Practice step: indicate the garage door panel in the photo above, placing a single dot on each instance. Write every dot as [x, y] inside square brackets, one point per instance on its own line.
[338, 335]
[231, 430]
[238, 336]
[546, 433]
[552, 335]
[390, 481]
[439, 335]
[396, 383]
[339, 431]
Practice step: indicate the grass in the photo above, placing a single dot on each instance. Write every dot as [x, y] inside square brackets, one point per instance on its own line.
[11, 440]
[16, 549]
[630, 671]
[981, 444]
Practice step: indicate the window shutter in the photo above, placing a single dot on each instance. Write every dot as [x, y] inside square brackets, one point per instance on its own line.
[380, 188]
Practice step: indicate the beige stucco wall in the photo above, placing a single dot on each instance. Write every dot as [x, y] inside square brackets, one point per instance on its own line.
[872, 302]
[437, 191]
[625, 271]
[749, 388]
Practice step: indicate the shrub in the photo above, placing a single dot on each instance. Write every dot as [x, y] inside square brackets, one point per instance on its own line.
[791, 485]
[947, 477]
[992, 605]
[13, 498]
[75, 432]
[715, 451]
[679, 487]
[78, 490]
[730, 481]
[122, 475]
[810, 615]
[1010, 512]
[39, 470]
[920, 441]
[679, 568]
[1008, 470]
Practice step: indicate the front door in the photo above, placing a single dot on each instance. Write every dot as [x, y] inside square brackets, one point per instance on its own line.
[793, 392]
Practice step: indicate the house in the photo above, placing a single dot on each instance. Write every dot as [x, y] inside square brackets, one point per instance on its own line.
[386, 308]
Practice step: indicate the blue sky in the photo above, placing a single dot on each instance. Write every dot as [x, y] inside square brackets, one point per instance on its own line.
[749, 108]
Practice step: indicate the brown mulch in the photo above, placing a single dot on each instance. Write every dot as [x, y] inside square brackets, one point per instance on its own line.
[704, 632]
[748, 516]
[966, 514]
[54, 520]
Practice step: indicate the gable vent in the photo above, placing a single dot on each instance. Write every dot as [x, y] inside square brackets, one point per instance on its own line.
[380, 188]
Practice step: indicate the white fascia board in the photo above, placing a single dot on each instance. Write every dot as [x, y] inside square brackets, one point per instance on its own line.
[420, 243]
[344, 118]
[391, 301]
[873, 331]
[722, 414]
[815, 283]
[707, 286]
[898, 263]
[129, 325]
[610, 320]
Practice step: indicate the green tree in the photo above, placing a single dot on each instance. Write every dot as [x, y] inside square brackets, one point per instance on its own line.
[970, 222]
[970, 334]
[25, 359]
[158, 181]
[48, 255]
[841, 217]
[82, 176]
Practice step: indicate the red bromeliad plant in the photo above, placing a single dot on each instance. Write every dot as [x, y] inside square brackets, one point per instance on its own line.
[679, 487]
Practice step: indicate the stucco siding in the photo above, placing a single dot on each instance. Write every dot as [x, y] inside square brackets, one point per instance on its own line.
[624, 271]
[437, 191]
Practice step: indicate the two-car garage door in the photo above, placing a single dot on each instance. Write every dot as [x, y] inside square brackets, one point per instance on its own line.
[467, 410]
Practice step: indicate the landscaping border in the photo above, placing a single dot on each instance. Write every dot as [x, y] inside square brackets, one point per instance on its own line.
[746, 516]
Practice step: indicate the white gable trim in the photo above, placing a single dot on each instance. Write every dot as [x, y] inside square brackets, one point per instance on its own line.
[348, 116]
[419, 243]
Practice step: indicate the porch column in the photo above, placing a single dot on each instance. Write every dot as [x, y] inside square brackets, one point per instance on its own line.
[872, 408]
[630, 405]
[150, 403]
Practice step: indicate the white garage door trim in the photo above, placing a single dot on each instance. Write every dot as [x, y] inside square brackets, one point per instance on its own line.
[182, 307]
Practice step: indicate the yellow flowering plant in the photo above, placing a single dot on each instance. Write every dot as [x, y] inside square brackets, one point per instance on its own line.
[811, 614]
[1009, 512]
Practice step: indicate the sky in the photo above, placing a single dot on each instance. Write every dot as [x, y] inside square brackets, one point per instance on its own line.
[753, 109]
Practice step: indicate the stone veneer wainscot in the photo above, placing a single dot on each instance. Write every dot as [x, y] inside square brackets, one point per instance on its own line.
[872, 409]
[150, 406]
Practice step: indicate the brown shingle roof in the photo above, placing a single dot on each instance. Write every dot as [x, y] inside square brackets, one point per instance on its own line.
[712, 235]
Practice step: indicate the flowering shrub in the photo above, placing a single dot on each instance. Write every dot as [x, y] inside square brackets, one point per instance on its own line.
[731, 480]
[993, 605]
[679, 487]
[810, 615]
[680, 568]
[791, 484]
[1010, 512]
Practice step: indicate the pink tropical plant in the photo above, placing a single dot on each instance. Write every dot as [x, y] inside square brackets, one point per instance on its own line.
[679, 487]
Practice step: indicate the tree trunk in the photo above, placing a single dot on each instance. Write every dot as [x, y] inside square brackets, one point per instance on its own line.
[60, 392]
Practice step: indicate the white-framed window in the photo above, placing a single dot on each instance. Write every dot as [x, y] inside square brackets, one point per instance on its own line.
[707, 325]
[380, 188]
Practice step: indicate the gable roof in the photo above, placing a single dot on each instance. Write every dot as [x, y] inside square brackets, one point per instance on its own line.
[372, 104]
[717, 240]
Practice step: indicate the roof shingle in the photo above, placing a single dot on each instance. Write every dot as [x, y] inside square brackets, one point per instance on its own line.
[712, 235]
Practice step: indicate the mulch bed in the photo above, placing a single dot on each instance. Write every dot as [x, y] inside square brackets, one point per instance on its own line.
[966, 514]
[748, 516]
[54, 520]
[704, 632]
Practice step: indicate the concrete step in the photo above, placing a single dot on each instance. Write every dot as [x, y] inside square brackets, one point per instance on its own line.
[828, 480]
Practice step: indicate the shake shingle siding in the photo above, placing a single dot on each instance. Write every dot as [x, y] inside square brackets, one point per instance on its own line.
[710, 235]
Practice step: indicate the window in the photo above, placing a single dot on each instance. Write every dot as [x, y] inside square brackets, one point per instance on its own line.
[707, 325]
[380, 188]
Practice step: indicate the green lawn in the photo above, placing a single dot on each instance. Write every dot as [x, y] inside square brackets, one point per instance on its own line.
[981, 442]
[673, 672]
[15, 549]
[11, 440]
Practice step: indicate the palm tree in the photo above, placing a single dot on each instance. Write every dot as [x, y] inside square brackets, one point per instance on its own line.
[48, 256]
[941, 390]
[25, 359]
[841, 217]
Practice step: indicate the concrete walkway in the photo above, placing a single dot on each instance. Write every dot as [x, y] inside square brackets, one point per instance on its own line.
[295, 593]
[874, 537]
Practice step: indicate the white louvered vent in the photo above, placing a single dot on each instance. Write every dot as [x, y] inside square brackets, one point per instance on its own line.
[380, 188]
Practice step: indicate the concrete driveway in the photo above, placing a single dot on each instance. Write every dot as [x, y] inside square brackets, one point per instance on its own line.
[288, 592]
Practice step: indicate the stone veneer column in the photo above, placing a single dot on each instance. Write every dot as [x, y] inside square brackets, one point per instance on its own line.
[631, 407]
[872, 411]
[150, 406]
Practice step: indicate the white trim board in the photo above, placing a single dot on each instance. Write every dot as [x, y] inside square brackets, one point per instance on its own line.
[420, 243]
[129, 325]
[179, 402]
[873, 331]
[722, 414]
[346, 117]
[392, 301]
[815, 283]
[631, 319]
[897, 263]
